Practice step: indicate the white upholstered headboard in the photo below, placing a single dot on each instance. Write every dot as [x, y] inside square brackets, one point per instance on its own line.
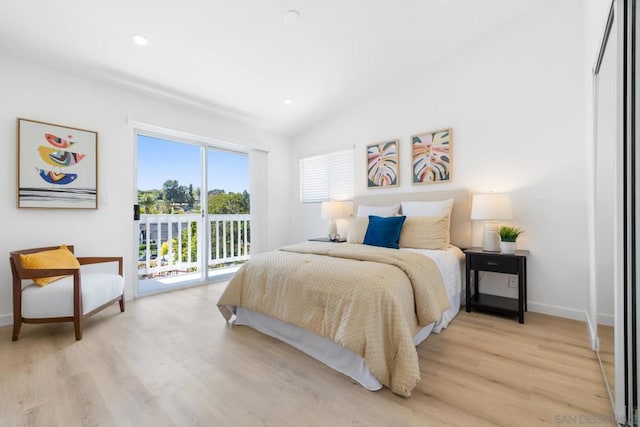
[460, 215]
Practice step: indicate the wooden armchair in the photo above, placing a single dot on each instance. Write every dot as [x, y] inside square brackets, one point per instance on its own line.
[71, 299]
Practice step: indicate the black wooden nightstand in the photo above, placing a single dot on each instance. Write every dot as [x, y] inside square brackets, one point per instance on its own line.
[479, 260]
[326, 239]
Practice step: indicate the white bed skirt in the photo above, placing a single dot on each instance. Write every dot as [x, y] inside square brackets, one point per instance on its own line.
[325, 350]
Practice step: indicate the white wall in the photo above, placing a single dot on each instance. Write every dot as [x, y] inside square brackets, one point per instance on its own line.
[35, 92]
[515, 101]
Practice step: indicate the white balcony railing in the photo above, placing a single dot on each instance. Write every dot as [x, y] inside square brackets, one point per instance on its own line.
[228, 242]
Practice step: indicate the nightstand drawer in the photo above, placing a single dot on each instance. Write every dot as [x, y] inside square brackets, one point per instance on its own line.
[499, 264]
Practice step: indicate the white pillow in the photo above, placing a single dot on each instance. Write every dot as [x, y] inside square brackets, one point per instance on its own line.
[384, 211]
[439, 208]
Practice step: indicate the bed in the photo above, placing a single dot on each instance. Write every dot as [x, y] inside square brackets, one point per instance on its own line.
[359, 309]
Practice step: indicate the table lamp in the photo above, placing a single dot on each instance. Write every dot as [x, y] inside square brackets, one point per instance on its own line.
[332, 211]
[489, 208]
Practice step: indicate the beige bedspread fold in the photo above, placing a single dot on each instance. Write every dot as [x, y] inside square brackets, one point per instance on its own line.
[364, 298]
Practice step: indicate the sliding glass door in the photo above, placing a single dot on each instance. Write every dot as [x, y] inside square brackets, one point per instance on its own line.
[228, 223]
[194, 213]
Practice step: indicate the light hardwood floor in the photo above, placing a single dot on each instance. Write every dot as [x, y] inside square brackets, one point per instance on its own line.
[170, 360]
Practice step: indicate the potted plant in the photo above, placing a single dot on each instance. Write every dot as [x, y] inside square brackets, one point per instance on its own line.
[508, 236]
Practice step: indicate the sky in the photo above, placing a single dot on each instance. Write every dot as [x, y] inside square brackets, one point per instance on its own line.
[160, 160]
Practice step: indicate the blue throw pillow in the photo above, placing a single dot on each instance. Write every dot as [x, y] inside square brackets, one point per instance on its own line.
[384, 232]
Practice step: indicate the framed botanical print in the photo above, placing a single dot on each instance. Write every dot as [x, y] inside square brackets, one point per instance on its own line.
[431, 157]
[57, 166]
[382, 164]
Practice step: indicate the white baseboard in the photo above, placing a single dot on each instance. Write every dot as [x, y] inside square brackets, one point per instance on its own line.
[605, 319]
[6, 319]
[554, 310]
[593, 337]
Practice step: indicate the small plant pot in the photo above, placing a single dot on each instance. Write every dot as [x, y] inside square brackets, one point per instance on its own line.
[508, 247]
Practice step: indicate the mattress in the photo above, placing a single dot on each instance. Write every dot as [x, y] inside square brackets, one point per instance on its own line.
[450, 263]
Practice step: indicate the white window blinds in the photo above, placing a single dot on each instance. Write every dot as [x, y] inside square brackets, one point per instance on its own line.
[327, 177]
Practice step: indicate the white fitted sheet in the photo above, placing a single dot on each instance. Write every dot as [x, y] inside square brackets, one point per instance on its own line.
[449, 262]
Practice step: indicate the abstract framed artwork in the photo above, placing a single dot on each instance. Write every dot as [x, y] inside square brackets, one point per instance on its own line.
[431, 157]
[382, 164]
[57, 166]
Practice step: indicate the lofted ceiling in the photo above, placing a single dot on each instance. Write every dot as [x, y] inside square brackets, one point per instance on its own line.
[242, 57]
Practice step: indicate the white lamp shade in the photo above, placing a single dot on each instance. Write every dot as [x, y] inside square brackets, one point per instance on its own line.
[491, 206]
[335, 210]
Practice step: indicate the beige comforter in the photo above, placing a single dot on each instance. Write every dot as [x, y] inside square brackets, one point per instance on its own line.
[370, 300]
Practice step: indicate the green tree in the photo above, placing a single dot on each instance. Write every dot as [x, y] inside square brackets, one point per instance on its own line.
[191, 200]
[165, 205]
[228, 203]
[147, 202]
[174, 192]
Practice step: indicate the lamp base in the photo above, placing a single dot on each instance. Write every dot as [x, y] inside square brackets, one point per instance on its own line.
[490, 237]
[332, 231]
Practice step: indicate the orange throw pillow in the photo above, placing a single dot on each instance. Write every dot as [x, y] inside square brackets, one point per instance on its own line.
[55, 258]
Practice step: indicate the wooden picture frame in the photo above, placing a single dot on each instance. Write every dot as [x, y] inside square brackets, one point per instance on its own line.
[431, 160]
[57, 166]
[382, 164]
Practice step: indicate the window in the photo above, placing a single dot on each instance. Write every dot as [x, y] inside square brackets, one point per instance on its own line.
[327, 177]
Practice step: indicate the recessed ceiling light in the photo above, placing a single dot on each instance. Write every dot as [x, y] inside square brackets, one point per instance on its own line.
[292, 16]
[287, 101]
[140, 40]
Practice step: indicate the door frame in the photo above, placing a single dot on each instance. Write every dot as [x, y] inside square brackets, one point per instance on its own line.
[204, 143]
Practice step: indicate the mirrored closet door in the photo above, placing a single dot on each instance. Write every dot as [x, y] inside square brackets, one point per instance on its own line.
[605, 181]
[605, 190]
[615, 215]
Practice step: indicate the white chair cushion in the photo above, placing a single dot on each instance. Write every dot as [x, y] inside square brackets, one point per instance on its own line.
[56, 299]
